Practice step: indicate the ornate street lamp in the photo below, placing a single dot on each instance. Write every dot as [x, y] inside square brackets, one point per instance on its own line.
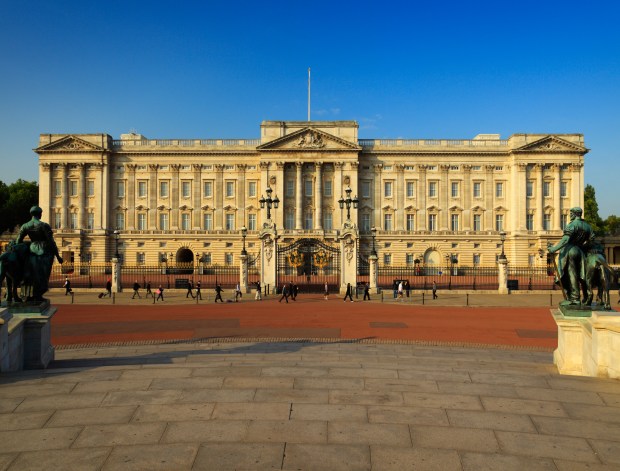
[373, 230]
[268, 202]
[502, 238]
[244, 232]
[117, 235]
[348, 201]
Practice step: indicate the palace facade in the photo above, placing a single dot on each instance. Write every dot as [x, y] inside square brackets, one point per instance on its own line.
[430, 200]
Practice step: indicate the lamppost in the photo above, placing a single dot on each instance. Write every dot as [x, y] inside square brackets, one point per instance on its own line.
[348, 201]
[502, 238]
[373, 230]
[268, 202]
[117, 235]
[244, 233]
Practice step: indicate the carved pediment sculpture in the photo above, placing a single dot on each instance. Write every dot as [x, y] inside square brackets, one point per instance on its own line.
[552, 144]
[309, 139]
[69, 144]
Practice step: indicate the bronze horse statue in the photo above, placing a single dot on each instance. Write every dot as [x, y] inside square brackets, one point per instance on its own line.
[599, 275]
[12, 263]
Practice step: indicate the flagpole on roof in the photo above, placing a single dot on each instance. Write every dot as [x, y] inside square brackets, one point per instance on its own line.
[308, 93]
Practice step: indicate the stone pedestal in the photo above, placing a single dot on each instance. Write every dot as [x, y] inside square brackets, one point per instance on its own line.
[243, 273]
[116, 275]
[502, 275]
[372, 261]
[588, 346]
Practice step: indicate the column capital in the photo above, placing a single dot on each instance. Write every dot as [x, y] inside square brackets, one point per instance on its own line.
[219, 167]
[197, 167]
[131, 167]
[299, 165]
[175, 167]
[263, 165]
[338, 165]
[153, 167]
[378, 167]
[46, 166]
[446, 167]
[280, 165]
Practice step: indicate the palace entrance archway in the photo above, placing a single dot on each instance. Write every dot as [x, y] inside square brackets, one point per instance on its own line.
[309, 264]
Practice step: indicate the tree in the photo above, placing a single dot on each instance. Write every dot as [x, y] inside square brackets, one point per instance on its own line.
[590, 211]
[21, 196]
[612, 224]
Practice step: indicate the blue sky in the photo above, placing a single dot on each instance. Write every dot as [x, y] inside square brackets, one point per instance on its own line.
[202, 69]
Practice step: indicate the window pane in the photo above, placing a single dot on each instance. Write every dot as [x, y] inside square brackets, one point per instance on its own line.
[410, 222]
[387, 222]
[230, 222]
[141, 222]
[477, 224]
[120, 221]
[432, 222]
[410, 190]
[365, 222]
[499, 222]
[432, 189]
[387, 189]
[120, 189]
[185, 222]
[546, 189]
[563, 189]
[163, 189]
[365, 189]
[90, 187]
[327, 187]
[252, 189]
[477, 189]
[529, 189]
[290, 188]
[90, 221]
[499, 190]
[454, 222]
[251, 222]
[208, 222]
[163, 221]
[230, 189]
[327, 221]
[208, 189]
[186, 189]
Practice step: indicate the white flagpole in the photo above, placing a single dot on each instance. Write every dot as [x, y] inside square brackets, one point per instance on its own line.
[308, 93]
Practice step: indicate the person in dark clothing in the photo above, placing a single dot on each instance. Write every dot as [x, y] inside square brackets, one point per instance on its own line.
[258, 293]
[198, 293]
[407, 287]
[218, 293]
[435, 290]
[367, 292]
[284, 294]
[67, 286]
[294, 292]
[136, 287]
[160, 293]
[108, 288]
[349, 293]
[190, 287]
[148, 290]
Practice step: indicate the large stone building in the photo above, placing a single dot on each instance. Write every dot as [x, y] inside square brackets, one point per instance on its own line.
[430, 200]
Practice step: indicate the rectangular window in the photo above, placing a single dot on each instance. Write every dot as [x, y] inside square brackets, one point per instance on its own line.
[163, 221]
[73, 224]
[327, 188]
[387, 222]
[73, 185]
[365, 189]
[387, 259]
[140, 258]
[142, 221]
[142, 189]
[230, 222]
[410, 190]
[308, 220]
[228, 259]
[57, 219]
[432, 222]
[185, 222]
[454, 222]
[410, 222]
[251, 189]
[290, 188]
[230, 189]
[186, 189]
[563, 189]
[327, 221]
[529, 222]
[57, 188]
[499, 222]
[206, 258]
[163, 189]
[546, 222]
[499, 190]
[529, 188]
[120, 221]
[563, 221]
[546, 189]
[90, 188]
[365, 222]
[387, 189]
[251, 222]
[477, 189]
[289, 220]
[455, 189]
[477, 222]
[207, 222]
[409, 259]
[90, 221]
[308, 187]
[120, 189]
[207, 189]
[476, 259]
[432, 189]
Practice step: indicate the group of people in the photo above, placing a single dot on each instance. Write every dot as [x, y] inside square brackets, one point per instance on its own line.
[289, 290]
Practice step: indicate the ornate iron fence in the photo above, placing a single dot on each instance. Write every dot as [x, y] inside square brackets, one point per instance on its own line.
[309, 263]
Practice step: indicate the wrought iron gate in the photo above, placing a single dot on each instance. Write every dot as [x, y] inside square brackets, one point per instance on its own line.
[309, 264]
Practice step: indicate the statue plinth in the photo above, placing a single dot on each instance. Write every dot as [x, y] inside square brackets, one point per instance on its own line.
[36, 334]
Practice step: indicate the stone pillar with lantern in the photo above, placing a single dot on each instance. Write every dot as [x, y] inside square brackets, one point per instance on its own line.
[372, 262]
[116, 265]
[348, 244]
[502, 268]
[243, 264]
[268, 236]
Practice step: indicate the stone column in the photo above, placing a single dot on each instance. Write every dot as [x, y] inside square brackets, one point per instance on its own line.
[557, 201]
[218, 224]
[153, 189]
[175, 202]
[502, 275]
[372, 260]
[277, 215]
[353, 184]
[240, 203]
[422, 222]
[64, 170]
[262, 186]
[318, 195]
[399, 224]
[338, 193]
[520, 189]
[488, 199]
[105, 195]
[466, 197]
[575, 195]
[443, 198]
[45, 190]
[82, 195]
[376, 203]
[131, 196]
[197, 192]
[243, 273]
[116, 275]
[299, 192]
[538, 226]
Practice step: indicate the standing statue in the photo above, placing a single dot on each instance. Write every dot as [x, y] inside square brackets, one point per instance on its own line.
[42, 250]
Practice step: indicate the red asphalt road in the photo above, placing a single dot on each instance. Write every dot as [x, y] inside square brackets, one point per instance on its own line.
[306, 318]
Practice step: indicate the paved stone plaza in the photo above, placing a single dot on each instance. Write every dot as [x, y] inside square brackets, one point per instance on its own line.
[306, 406]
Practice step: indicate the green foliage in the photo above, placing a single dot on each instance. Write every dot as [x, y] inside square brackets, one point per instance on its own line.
[16, 200]
[612, 224]
[590, 211]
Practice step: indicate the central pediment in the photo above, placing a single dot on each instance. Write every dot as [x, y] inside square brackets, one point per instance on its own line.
[70, 143]
[309, 139]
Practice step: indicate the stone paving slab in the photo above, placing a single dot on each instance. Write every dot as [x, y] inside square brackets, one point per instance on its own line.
[249, 406]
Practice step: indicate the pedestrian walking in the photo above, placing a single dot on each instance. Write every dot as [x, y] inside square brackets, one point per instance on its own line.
[160, 293]
[367, 291]
[326, 293]
[435, 290]
[136, 287]
[108, 287]
[400, 290]
[395, 288]
[148, 290]
[407, 287]
[348, 293]
[190, 287]
[218, 293]
[258, 296]
[284, 293]
[294, 291]
[237, 293]
[67, 286]
[198, 293]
